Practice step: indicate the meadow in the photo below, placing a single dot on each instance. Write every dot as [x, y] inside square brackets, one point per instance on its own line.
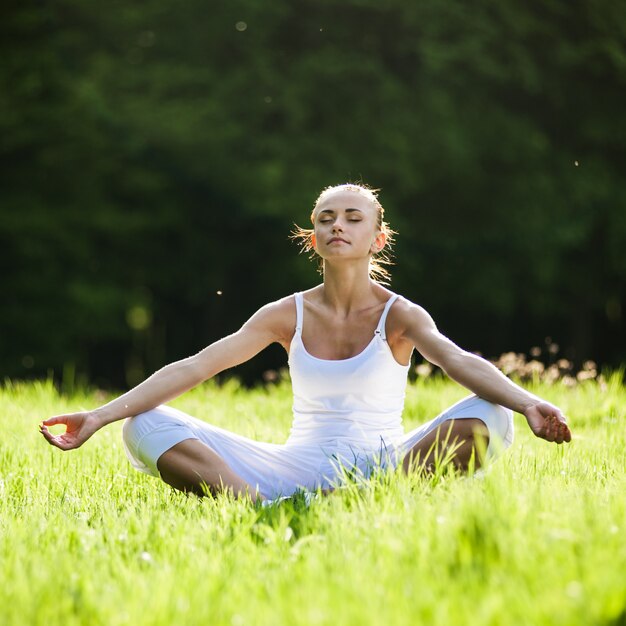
[539, 538]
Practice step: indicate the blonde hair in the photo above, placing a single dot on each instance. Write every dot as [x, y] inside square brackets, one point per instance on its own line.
[304, 236]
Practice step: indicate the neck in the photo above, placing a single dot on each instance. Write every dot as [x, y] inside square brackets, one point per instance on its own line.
[348, 287]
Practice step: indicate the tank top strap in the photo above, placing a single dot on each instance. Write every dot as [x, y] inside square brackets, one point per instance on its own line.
[380, 329]
[299, 315]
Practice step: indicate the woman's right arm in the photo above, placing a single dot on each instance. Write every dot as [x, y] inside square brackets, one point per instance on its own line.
[266, 326]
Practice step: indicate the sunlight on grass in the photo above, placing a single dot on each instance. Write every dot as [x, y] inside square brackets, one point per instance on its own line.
[537, 539]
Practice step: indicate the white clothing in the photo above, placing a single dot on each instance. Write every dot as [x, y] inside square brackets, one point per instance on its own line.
[347, 418]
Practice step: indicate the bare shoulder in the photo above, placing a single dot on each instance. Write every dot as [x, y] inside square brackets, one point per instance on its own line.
[410, 319]
[278, 318]
[417, 327]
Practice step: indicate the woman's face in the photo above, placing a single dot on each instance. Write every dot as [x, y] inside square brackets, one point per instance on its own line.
[345, 225]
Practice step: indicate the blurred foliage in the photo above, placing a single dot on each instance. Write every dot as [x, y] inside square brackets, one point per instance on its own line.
[156, 154]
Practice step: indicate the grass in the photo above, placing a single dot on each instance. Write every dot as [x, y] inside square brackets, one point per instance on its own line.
[85, 539]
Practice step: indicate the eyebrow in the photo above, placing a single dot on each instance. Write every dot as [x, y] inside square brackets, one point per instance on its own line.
[350, 210]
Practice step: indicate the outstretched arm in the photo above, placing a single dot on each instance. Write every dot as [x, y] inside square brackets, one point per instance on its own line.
[263, 328]
[482, 377]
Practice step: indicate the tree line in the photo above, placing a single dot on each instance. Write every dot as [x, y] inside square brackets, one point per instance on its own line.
[155, 158]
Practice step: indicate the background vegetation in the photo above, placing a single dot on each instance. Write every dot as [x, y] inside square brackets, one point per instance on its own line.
[154, 158]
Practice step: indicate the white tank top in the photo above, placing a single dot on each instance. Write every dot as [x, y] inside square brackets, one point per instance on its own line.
[356, 400]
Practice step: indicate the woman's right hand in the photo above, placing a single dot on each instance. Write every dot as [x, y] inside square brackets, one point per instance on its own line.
[79, 427]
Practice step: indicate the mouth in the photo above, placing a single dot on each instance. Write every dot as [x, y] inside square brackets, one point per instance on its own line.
[336, 240]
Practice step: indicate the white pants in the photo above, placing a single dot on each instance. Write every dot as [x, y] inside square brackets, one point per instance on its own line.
[281, 469]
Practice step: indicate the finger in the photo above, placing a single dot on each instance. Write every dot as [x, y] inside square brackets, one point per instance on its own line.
[60, 442]
[57, 419]
[558, 427]
[561, 424]
[44, 430]
[48, 436]
[549, 434]
[53, 440]
[567, 435]
[561, 419]
[564, 434]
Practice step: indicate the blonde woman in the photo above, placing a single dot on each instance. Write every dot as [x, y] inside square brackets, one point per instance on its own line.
[349, 343]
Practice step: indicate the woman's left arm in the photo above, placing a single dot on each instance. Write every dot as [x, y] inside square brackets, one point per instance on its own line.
[483, 378]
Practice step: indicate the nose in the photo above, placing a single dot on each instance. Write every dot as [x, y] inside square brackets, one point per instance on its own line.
[337, 226]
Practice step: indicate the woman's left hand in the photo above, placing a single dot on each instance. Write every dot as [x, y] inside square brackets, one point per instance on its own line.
[547, 422]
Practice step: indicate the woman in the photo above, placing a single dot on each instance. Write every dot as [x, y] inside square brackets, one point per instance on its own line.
[349, 342]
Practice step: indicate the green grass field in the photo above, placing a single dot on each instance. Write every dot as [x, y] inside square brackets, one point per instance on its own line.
[540, 539]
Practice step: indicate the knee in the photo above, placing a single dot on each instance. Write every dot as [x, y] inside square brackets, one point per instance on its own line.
[474, 427]
[499, 421]
[137, 427]
[503, 419]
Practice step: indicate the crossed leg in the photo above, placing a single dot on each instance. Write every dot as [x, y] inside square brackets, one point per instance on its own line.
[191, 466]
[460, 438]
